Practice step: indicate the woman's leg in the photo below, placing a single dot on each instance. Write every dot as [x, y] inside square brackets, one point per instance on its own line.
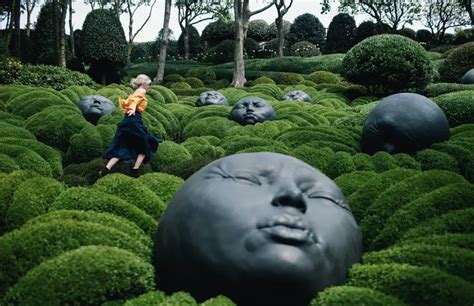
[139, 161]
[112, 162]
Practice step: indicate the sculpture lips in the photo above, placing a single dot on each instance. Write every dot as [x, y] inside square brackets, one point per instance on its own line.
[287, 229]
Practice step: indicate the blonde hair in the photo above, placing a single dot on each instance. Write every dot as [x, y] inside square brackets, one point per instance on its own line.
[139, 80]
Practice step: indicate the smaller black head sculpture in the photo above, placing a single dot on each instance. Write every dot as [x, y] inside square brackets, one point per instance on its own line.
[94, 107]
[468, 77]
[404, 123]
[251, 110]
[211, 98]
[260, 228]
[297, 95]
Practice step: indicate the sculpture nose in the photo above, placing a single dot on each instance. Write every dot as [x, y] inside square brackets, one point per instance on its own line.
[96, 102]
[292, 197]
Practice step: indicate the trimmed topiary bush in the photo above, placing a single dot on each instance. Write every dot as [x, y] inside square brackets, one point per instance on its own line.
[194, 82]
[29, 246]
[339, 38]
[350, 182]
[305, 49]
[170, 153]
[399, 195]
[432, 159]
[26, 159]
[219, 300]
[412, 285]
[32, 198]
[307, 27]
[149, 298]
[459, 240]
[452, 260]
[388, 64]
[214, 126]
[263, 80]
[326, 77]
[91, 199]
[348, 295]
[290, 79]
[10, 130]
[105, 273]
[163, 185]
[457, 106]
[132, 191]
[258, 30]
[205, 74]
[457, 63]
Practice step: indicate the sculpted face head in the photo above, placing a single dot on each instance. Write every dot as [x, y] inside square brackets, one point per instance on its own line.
[251, 110]
[297, 95]
[211, 98]
[94, 107]
[256, 226]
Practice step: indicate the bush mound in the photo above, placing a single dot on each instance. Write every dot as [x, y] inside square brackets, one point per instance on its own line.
[205, 74]
[412, 285]
[388, 64]
[348, 295]
[457, 63]
[105, 273]
[465, 241]
[457, 106]
[305, 49]
[164, 185]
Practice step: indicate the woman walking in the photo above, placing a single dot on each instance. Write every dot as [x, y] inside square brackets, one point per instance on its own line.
[132, 143]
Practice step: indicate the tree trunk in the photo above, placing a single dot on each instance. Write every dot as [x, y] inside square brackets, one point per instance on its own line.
[130, 36]
[71, 31]
[164, 44]
[281, 35]
[17, 41]
[186, 42]
[239, 64]
[57, 35]
[10, 25]
[28, 23]
[62, 35]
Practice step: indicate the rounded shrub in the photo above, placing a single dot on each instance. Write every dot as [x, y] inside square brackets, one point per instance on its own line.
[180, 85]
[452, 260]
[43, 38]
[29, 246]
[91, 199]
[214, 126]
[10, 130]
[457, 63]
[258, 30]
[383, 161]
[163, 185]
[194, 82]
[218, 31]
[195, 46]
[290, 78]
[173, 78]
[350, 182]
[26, 159]
[412, 285]
[307, 27]
[85, 145]
[457, 106]
[465, 241]
[205, 74]
[32, 198]
[105, 273]
[424, 37]
[149, 298]
[223, 52]
[305, 49]
[219, 300]
[348, 295]
[188, 167]
[387, 64]
[401, 194]
[132, 191]
[432, 159]
[339, 38]
[7, 164]
[263, 80]
[269, 89]
[326, 77]
[170, 153]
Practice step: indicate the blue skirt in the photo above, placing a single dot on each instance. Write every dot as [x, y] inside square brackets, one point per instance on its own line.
[131, 139]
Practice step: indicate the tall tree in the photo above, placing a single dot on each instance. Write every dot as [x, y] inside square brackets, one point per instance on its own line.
[17, 32]
[394, 13]
[29, 6]
[242, 14]
[132, 6]
[282, 9]
[63, 5]
[440, 15]
[164, 43]
[71, 31]
[192, 12]
[469, 7]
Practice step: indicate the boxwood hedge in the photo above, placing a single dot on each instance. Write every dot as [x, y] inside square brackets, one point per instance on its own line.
[349, 295]
[459, 240]
[26, 159]
[104, 273]
[164, 185]
[457, 106]
[350, 182]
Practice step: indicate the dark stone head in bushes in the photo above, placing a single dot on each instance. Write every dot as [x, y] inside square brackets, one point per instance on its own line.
[297, 95]
[94, 107]
[251, 110]
[261, 228]
[468, 77]
[404, 123]
[211, 98]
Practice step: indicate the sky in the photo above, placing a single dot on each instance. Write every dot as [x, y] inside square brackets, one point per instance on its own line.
[151, 29]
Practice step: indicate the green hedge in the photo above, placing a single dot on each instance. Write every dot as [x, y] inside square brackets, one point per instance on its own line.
[457, 63]
[214, 126]
[348, 295]
[31, 198]
[452, 260]
[431, 205]
[350, 182]
[104, 273]
[132, 191]
[149, 298]
[170, 153]
[7, 164]
[363, 198]
[164, 185]
[85, 146]
[457, 106]
[35, 100]
[437, 89]
[413, 285]
[29, 246]
[327, 77]
[458, 221]
[432, 159]
[26, 159]
[91, 199]
[10, 130]
[400, 194]
[459, 240]
[464, 157]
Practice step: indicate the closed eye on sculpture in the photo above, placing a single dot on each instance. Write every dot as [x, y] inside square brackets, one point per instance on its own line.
[247, 177]
[242, 177]
[325, 195]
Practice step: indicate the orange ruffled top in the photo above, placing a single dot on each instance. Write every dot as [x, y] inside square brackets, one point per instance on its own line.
[135, 102]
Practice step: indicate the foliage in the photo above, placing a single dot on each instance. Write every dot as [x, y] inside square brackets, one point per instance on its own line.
[205, 74]
[325, 77]
[258, 30]
[195, 46]
[307, 27]
[305, 49]
[273, 30]
[103, 45]
[424, 37]
[10, 70]
[347, 295]
[43, 36]
[218, 31]
[105, 273]
[339, 37]
[194, 82]
[457, 63]
[457, 106]
[364, 30]
[387, 64]
[162, 184]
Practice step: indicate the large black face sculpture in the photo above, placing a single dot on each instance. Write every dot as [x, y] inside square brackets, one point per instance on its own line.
[211, 98]
[404, 122]
[297, 95]
[94, 107]
[260, 228]
[251, 110]
[468, 77]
